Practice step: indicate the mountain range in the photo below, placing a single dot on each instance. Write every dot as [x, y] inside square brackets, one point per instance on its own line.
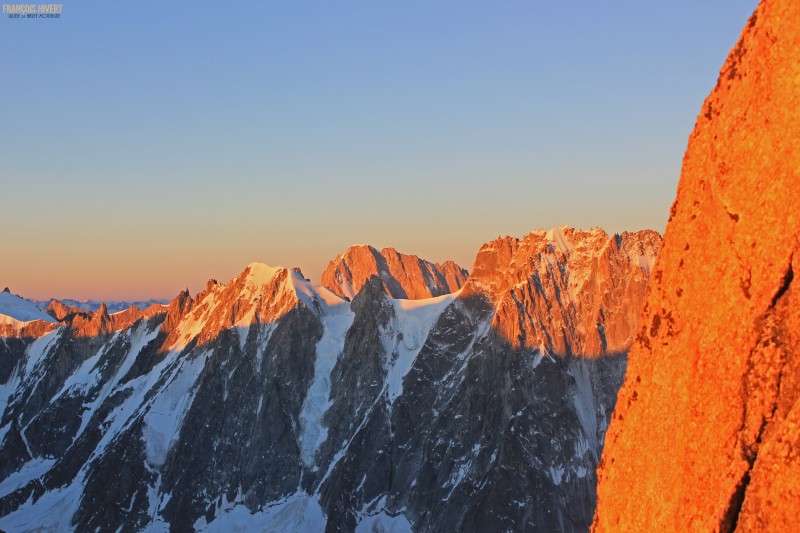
[93, 305]
[404, 395]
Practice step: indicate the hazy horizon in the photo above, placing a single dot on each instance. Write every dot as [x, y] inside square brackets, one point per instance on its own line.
[146, 150]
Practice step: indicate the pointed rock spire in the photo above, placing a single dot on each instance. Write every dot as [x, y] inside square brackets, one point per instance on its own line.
[177, 308]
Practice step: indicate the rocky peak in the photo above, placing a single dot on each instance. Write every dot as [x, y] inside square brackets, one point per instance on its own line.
[102, 312]
[566, 252]
[93, 324]
[101, 316]
[22, 318]
[346, 274]
[176, 310]
[706, 432]
[454, 275]
[566, 291]
[100, 320]
[403, 276]
[372, 293]
[61, 311]
[259, 295]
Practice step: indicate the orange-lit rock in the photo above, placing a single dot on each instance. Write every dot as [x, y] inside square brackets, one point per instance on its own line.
[403, 276]
[177, 308]
[568, 291]
[92, 324]
[259, 295]
[706, 432]
[28, 330]
[88, 323]
[60, 311]
[124, 319]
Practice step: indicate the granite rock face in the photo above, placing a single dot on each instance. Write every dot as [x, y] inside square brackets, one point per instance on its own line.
[706, 434]
[270, 404]
[403, 276]
[569, 291]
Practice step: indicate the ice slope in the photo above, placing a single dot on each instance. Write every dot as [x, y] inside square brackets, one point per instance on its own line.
[413, 322]
[16, 310]
[337, 319]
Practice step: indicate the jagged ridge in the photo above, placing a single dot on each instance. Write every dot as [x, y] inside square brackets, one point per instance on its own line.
[267, 402]
[403, 276]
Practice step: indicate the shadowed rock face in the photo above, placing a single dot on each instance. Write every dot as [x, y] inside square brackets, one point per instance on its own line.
[403, 276]
[706, 434]
[269, 404]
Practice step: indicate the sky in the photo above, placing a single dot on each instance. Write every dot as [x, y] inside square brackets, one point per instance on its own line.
[146, 147]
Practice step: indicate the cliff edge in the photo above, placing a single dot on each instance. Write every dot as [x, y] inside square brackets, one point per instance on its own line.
[706, 432]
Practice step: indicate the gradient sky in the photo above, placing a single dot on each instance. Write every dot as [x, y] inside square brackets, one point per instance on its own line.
[148, 146]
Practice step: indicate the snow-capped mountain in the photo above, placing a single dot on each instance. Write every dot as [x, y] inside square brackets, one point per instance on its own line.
[271, 404]
[21, 317]
[17, 308]
[403, 276]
